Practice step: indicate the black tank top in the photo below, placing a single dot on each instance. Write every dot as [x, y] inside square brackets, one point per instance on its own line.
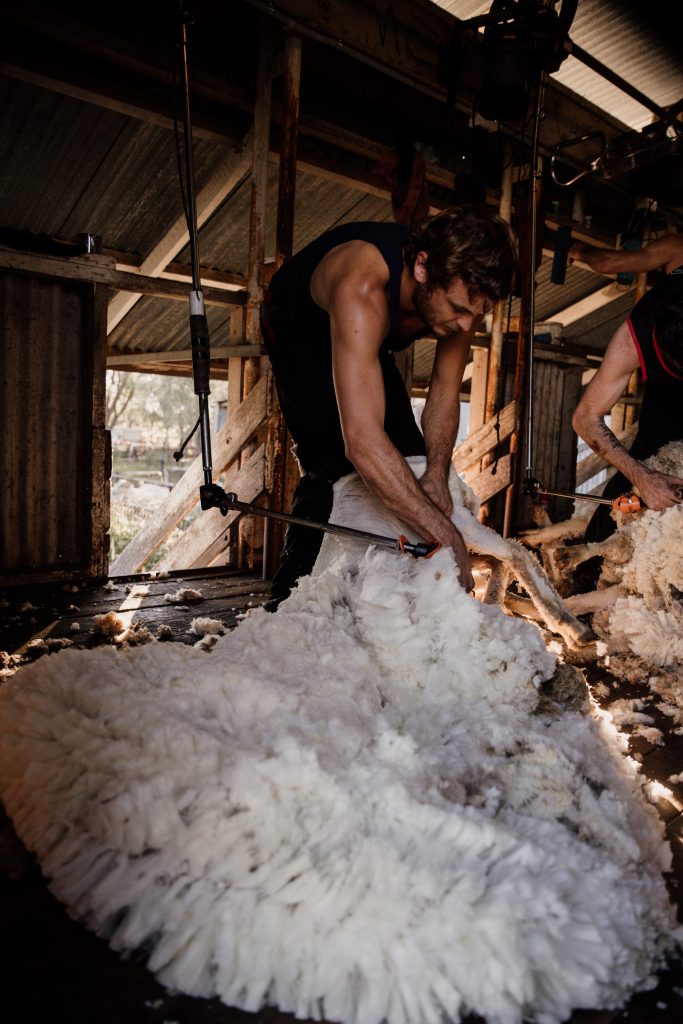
[290, 288]
[661, 414]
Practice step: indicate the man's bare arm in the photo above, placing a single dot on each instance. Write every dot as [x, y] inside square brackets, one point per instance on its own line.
[658, 490]
[665, 252]
[441, 414]
[351, 287]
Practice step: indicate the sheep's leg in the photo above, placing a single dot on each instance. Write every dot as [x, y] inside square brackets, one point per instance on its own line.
[528, 571]
[568, 558]
[554, 532]
[595, 600]
[497, 584]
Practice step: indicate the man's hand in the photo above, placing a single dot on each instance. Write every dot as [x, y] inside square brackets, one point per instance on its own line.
[659, 491]
[435, 486]
[577, 251]
[462, 559]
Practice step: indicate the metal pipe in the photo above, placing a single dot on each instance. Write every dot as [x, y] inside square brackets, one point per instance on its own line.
[189, 159]
[199, 328]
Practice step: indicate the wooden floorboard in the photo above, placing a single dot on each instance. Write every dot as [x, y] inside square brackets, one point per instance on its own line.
[52, 967]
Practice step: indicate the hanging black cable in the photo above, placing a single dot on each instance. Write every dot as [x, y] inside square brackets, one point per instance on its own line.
[211, 495]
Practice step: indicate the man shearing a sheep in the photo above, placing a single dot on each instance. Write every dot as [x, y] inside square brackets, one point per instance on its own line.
[651, 340]
[333, 317]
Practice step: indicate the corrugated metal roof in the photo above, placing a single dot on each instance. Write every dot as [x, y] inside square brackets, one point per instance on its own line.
[319, 204]
[637, 41]
[70, 167]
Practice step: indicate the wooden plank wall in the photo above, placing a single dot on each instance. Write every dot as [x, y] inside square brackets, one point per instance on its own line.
[557, 388]
[54, 514]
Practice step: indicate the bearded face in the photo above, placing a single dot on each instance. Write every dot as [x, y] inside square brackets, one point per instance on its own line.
[446, 311]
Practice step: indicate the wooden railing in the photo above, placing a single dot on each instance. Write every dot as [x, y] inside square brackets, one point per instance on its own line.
[202, 540]
[467, 457]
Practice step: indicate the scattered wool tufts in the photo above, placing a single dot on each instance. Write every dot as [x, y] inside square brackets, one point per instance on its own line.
[36, 647]
[202, 626]
[676, 778]
[207, 642]
[365, 787]
[184, 594]
[27, 606]
[110, 586]
[108, 624]
[74, 627]
[57, 643]
[629, 712]
[650, 734]
[164, 632]
[9, 663]
[135, 635]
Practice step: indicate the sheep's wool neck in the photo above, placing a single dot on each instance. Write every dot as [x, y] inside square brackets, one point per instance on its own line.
[352, 809]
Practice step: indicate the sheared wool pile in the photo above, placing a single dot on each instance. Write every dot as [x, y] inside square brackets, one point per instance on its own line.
[354, 809]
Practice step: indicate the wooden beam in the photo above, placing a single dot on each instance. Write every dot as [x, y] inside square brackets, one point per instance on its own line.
[208, 535]
[596, 300]
[223, 280]
[284, 233]
[228, 443]
[278, 453]
[98, 479]
[251, 533]
[116, 357]
[470, 451]
[97, 269]
[171, 370]
[491, 480]
[215, 192]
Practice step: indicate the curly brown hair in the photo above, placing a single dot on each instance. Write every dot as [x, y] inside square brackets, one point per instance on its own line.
[470, 242]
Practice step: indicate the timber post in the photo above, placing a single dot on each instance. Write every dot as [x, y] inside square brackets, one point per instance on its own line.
[495, 359]
[251, 531]
[281, 469]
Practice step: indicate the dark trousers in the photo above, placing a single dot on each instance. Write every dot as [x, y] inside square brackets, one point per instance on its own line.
[303, 376]
[312, 500]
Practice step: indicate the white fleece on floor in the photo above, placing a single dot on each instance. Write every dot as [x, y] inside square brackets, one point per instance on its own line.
[351, 810]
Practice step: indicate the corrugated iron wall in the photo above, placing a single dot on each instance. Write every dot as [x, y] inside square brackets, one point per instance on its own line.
[49, 358]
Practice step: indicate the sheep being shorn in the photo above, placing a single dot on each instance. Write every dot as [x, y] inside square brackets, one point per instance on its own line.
[354, 505]
[639, 601]
[359, 809]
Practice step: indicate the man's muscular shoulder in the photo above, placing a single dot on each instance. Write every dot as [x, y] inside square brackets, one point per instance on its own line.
[353, 269]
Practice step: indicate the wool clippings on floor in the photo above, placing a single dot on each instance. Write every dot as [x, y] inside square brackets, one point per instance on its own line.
[353, 809]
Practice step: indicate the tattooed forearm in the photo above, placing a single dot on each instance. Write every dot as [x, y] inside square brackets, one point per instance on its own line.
[597, 434]
[606, 440]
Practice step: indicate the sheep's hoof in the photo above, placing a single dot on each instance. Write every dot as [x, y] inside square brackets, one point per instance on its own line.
[562, 558]
[584, 636]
